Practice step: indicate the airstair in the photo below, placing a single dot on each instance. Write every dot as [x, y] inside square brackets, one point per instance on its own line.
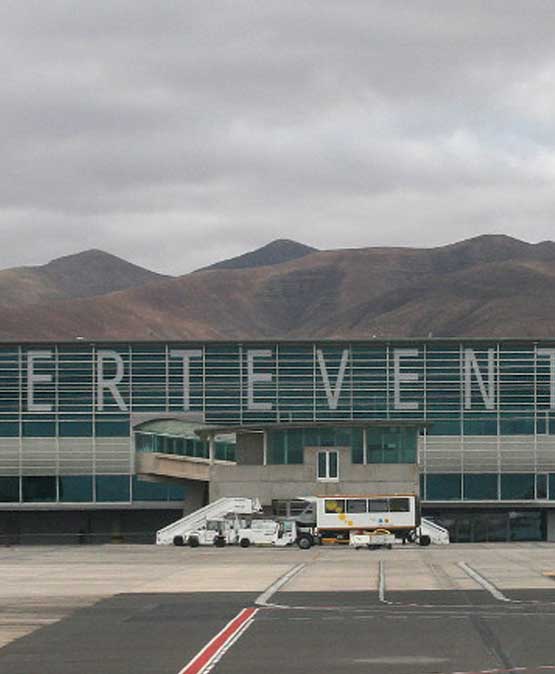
[438, 535]
[220, 508]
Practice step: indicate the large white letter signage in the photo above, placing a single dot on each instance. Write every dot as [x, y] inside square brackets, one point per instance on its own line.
[186, 355]
[333, 396]
[253, 377]
[399, 376]
[34, 378]
[110, 384]
[471, 365]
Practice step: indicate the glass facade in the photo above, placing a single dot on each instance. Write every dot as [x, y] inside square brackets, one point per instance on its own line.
[66, 411]
[494, 526]
[181, 446]
[287, 446]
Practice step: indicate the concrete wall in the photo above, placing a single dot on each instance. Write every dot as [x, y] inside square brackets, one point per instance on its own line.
[250, 449]
[294, 481]
[196, 496]
[168, 465]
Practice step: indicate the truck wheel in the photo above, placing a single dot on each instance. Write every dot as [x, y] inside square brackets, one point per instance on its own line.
[194, 542]
[219, 541]
[178, 540]
[305, 542]
[425, 540]
[244, 543]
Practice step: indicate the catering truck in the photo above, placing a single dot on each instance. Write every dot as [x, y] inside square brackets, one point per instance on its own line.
[334, 519]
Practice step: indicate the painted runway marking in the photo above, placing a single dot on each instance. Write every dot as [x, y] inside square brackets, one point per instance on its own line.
[207, 657]
[381, 583]
[485, 583]
[263, 599]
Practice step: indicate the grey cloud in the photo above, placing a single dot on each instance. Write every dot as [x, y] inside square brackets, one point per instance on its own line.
[175, 134]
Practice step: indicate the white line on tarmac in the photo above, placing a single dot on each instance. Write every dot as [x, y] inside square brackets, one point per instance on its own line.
[381, 583]
[225, 648]
[484, 582]
[263, 599]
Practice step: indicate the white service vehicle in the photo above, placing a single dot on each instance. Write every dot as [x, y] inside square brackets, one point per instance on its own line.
[218, 532]
[381, 538]
[334, 518]
[278, 533]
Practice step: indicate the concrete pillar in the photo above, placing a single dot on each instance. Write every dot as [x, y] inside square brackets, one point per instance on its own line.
[550, 514]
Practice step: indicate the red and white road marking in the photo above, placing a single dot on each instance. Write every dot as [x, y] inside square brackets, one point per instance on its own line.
[216, 647]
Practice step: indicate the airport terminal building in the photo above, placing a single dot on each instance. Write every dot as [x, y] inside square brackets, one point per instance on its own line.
[115, 439]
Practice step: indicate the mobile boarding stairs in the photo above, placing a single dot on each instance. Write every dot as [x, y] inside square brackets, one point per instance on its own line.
[180, 530]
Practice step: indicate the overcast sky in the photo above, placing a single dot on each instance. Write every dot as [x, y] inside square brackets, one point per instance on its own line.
[176, 133]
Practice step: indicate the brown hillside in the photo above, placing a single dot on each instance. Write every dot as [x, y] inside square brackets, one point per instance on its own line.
[489, 286]
[86, 274]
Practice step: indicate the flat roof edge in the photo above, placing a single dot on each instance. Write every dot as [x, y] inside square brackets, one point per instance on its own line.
[359, 423]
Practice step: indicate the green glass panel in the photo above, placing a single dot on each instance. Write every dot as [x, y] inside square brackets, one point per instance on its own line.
[517, 486]
[344, 437]
[276, 447]
[480, 426]
[445, 427]
[39, 429]
[407, 455]
[443, 487]
[392, 455]
[375, 455]
[75, 429]
[9, 489]
[112, 488]
[75, 488]
[295, 446]
[480, 487]
[516, 426]
[357, 454]
[311, 437]
[144, 442]
[9, 429]
[150, 491]
[225, 451]
[322, 473]
[39, 488]
[112, 429]
[552, 486]
[176, 492]
[391, 439]
[327, 437]
[541, 486]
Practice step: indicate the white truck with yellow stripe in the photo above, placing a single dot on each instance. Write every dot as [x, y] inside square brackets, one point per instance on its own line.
[337, 518]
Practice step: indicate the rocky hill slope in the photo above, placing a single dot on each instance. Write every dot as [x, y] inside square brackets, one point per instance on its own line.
[489, 286]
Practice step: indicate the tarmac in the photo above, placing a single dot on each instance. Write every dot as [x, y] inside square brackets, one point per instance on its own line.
[117, 609]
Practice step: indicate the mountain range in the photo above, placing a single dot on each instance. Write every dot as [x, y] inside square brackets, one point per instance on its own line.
[489, 286]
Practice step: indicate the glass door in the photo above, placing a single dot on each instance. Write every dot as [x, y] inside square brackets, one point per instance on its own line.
[327, 465]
